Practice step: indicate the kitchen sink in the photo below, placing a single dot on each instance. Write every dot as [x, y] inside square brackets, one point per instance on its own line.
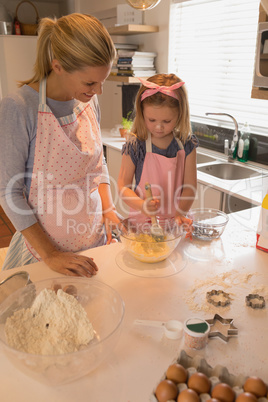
[202, 158]
[228, 171]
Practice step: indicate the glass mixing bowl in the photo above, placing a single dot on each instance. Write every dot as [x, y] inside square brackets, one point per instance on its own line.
[208, 224]
[141, 244]
[105, 310]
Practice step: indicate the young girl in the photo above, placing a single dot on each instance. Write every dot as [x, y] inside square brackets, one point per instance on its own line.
[161, 151]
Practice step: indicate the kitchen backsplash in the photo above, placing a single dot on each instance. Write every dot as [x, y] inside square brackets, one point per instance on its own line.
[212, 137]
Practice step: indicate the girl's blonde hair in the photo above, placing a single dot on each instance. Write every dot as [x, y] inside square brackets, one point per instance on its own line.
[182, 130]
[75, 40]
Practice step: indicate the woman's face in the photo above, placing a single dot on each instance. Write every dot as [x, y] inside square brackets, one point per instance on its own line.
[160, 120]
[82, 84]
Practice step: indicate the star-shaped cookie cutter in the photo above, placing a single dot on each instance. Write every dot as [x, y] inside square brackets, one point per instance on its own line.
[232, 330]
[225, 298]
[254, 296]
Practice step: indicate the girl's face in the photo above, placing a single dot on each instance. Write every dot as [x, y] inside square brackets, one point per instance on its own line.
[82, 84]
[160, 120]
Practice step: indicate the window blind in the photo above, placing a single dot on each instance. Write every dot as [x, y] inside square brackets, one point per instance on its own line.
[212, 48]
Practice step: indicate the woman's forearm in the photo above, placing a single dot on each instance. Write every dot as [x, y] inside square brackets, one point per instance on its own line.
[106, 197]
[39, 240]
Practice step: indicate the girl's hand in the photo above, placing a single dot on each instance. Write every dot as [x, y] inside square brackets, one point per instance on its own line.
[186, 224]
[71, 264]
[151, 207]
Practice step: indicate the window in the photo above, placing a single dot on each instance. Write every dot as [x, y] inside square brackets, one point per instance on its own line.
[212, 48]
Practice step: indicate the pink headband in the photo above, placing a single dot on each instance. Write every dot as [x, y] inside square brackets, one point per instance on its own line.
[154, 88]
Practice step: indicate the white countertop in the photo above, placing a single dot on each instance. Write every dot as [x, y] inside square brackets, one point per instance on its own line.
[231, 263]
[251, 190]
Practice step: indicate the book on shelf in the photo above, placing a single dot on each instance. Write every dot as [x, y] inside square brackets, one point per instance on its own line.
[141, 63]
[138, 73]
[135, 54]
[126, 46]
[131, 68]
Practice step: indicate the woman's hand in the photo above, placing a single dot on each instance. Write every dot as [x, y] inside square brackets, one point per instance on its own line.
[71, 264]
[186, 224]
[111, 221]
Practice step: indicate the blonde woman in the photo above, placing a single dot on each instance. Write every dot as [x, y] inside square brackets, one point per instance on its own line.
[160, 151]
[54, 183]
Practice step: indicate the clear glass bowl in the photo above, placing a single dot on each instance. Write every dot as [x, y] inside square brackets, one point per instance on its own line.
[145, 247]
[105, 310]
[208, 224]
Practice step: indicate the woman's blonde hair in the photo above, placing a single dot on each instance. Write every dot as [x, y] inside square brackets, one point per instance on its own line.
[75, 40]
[182, 130]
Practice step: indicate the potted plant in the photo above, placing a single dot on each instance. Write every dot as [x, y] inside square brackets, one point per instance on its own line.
[127, 124]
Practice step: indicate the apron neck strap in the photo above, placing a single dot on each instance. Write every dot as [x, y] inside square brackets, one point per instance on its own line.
[148, 142]
[179, 143]
[42, 92]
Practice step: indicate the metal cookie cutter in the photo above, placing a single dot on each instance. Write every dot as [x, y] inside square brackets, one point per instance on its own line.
[255, 300]
[225, 298]
[231, 331]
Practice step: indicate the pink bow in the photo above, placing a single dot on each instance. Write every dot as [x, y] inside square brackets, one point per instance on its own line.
[154, 88]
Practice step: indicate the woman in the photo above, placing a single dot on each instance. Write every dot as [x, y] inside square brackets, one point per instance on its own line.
[54, 183]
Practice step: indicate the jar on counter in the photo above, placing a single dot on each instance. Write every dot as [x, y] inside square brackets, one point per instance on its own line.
[243, 143]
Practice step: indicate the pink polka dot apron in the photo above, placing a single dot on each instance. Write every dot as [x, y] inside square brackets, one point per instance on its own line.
[166, 178]
[66, 173]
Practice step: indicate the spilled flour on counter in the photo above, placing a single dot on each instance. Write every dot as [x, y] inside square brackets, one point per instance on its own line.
[56, 323]
[230, 282]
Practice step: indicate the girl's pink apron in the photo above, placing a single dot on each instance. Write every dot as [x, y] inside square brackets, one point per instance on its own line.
[166, 178]
[66, 174]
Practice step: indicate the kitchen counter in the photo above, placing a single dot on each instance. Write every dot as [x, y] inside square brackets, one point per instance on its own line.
[231, 263]
[251, 190]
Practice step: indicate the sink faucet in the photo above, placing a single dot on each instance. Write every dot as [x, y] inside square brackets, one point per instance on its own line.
[231, 155]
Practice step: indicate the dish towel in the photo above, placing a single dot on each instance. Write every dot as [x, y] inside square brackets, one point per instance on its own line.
[262, 231]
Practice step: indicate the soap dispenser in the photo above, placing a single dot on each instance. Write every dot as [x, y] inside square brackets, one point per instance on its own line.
[243, 143]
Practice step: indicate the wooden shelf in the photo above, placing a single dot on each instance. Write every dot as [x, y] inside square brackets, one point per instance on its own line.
[120, 78]
[259, 93]
[132, 29]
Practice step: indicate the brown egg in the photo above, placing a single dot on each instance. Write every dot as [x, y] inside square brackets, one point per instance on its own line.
[255, 386]
[177, 373]
[200, 383]
[166, 390]
[246, 397]
[223, 392]
[212, 400]
[71, 290]
[188, 395]
[56, 287]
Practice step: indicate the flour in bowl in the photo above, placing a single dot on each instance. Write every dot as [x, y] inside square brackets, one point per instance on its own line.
[56, 323]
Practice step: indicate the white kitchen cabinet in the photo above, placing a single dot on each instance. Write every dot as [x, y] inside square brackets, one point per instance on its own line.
[207, 197]
[111, 104]
[113, 158]
[16, 61]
